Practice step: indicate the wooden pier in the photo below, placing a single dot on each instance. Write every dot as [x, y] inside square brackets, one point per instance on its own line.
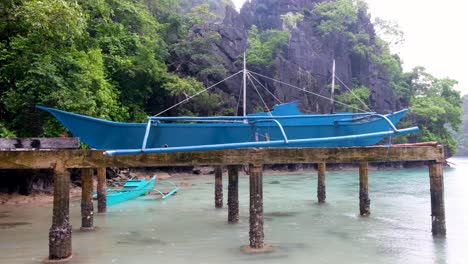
[60, 236]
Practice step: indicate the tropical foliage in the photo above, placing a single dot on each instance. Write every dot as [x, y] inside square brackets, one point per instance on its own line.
[435, 106]
[353, 100]
[118, 60]
[263, 46]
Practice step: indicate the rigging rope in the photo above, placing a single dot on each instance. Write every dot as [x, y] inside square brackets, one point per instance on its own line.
[276, 98]
[250, 76]
[202, 91]
[239, 99]
[261, 98]
[357, 97]
[306, 91]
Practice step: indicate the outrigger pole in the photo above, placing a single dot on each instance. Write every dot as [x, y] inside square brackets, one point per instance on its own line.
[261, 144]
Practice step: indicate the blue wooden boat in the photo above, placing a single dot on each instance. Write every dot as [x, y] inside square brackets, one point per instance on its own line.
[284, 126]
[131, 190]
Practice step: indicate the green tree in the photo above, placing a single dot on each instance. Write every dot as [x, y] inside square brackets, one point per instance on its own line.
[192, 56]
[389, 31]
[336, 16]
[341, 17]
[436, 107]
[43, 62]
[290, 20]
[263, 47]
[353, 101]
[104, 58]
[134, 52]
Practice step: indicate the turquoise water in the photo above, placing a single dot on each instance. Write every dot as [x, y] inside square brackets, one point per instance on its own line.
[188, 229]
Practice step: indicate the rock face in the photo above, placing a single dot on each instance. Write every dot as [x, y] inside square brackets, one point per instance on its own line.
[307, 60]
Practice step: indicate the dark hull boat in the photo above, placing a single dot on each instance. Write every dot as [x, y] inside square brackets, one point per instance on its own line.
[282, 127]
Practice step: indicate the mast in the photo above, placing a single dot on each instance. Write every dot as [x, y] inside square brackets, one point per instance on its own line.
[332, 110]
[244, 87]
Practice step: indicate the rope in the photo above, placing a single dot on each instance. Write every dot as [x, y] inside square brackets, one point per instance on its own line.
[276, 98]
[306, 91]
[258, 92]
[238, 100]
[261, 98]
[200, 92]
[357, 97]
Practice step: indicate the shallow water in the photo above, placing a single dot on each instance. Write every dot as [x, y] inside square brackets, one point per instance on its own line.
[187, 228]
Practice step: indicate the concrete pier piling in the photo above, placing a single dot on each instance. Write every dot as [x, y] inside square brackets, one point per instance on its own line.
[233, 194]
[256, 233]
[436, 175]
[256, 206]
[60, 233]
[101, 190]
[321, 191]
[218, 187]
[364, 201]
[87, 207]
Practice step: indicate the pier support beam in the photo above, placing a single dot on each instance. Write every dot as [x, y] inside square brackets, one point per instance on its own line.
[218, 187]
[60, 233]
[87, 208]
[364, 201]
[436, 175]
[101, 190]
[256, 234]
[233, 194]
[321, 191]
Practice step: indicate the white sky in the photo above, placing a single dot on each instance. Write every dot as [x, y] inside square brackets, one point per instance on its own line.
[436, 34]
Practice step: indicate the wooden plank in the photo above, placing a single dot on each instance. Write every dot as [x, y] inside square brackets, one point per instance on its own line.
[40, 143]
[268, 156]
[96, 159]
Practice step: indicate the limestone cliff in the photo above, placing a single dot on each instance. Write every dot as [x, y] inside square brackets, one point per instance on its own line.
[307, 59]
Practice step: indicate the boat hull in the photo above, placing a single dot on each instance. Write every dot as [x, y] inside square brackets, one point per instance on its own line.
[291, 125]
[129, 193]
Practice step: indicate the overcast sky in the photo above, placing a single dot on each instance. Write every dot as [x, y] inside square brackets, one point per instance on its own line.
[435, 34]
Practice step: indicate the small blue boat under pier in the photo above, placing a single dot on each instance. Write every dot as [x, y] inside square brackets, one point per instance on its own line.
[136, 188]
